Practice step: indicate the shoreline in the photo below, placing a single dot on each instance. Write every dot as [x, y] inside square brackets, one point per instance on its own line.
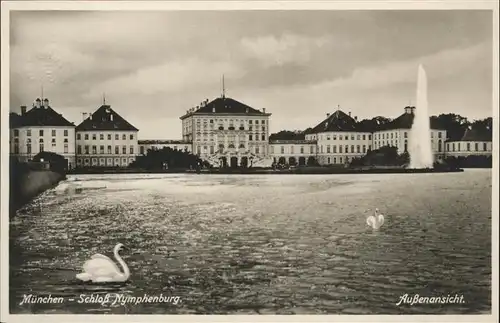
[268, 171]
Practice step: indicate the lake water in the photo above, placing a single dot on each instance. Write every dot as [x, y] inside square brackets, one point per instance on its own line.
[270, 244]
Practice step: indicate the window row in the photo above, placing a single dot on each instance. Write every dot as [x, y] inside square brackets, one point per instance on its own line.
[102, 136]
[468, 146]
[41, 147]
[86, 150]
[41, 132]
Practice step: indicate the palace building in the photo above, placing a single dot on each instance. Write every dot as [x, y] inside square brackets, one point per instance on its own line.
[41, 129]
[226, 132]
[105, 139]
[472, 142]
[340, 138]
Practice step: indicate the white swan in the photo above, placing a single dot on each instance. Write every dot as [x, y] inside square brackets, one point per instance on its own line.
[100, 268]
[375, 221]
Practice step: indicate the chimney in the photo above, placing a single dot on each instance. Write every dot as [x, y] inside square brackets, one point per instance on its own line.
[264, 110]
[407, 109]
[111, 117]
[328, 115]
[38, 102]
[23, 109]
[356, 118]
[349, 113]
[45, 103]
[84, 115]
[90, 116]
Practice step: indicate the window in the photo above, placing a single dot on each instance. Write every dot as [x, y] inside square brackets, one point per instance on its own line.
[124, 137]
[311, 150]
[211, 148]
[340, 149]
[432, 134]
[352, 148]
[41, 146]
[358, 149]
[364, 137]
[282, 149]
[86, 136]
[263, 137]
[131, 136]
[65, 148]
[109, 136]
[78, 136]
[484, 146]
[301, 149]
[440, 146]
[16, 133]
[53, 133]
[198, 150]
[86, 150]
[109, 150]
[364, 149]
[250, 137]
[440, 134]
[257, 151]
[453, 147]
[117, 137]
[369, 137]
[79, 149]
[476, 146]
[352, 137]
[94, 150]
[101, 149]
[291, 150]
[94, 136]
[468, 146]
[334, 149]
[117, 150]
[124, 150]
[131, 150]
[28, 147]
[327, 149]
[406, 134]
[256, 121]
[346, 149]
[359, 137]
[101, 136]
[28, 132]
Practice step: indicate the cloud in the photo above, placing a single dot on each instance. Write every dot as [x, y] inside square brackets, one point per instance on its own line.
[445, 63]
[287, 48]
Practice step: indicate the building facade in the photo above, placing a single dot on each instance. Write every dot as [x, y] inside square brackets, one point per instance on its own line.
[41, 129]
[472, 143]
[226, 132]
[105, 139]
[340, 138]
[397, 134]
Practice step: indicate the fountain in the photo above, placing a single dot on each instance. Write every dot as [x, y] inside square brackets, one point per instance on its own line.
[420, 149]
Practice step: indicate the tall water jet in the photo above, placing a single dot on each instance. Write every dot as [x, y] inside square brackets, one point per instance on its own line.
[420, 149]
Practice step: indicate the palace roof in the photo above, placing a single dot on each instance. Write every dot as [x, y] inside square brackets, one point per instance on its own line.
[105, 118]
[224, 105]
[43, 116]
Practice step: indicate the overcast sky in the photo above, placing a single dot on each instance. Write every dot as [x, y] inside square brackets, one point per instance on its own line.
[299, 65]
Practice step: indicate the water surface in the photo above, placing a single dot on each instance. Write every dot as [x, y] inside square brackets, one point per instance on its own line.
[268, 244]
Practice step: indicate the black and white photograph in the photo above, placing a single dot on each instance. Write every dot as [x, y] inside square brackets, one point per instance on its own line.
[232, 159]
